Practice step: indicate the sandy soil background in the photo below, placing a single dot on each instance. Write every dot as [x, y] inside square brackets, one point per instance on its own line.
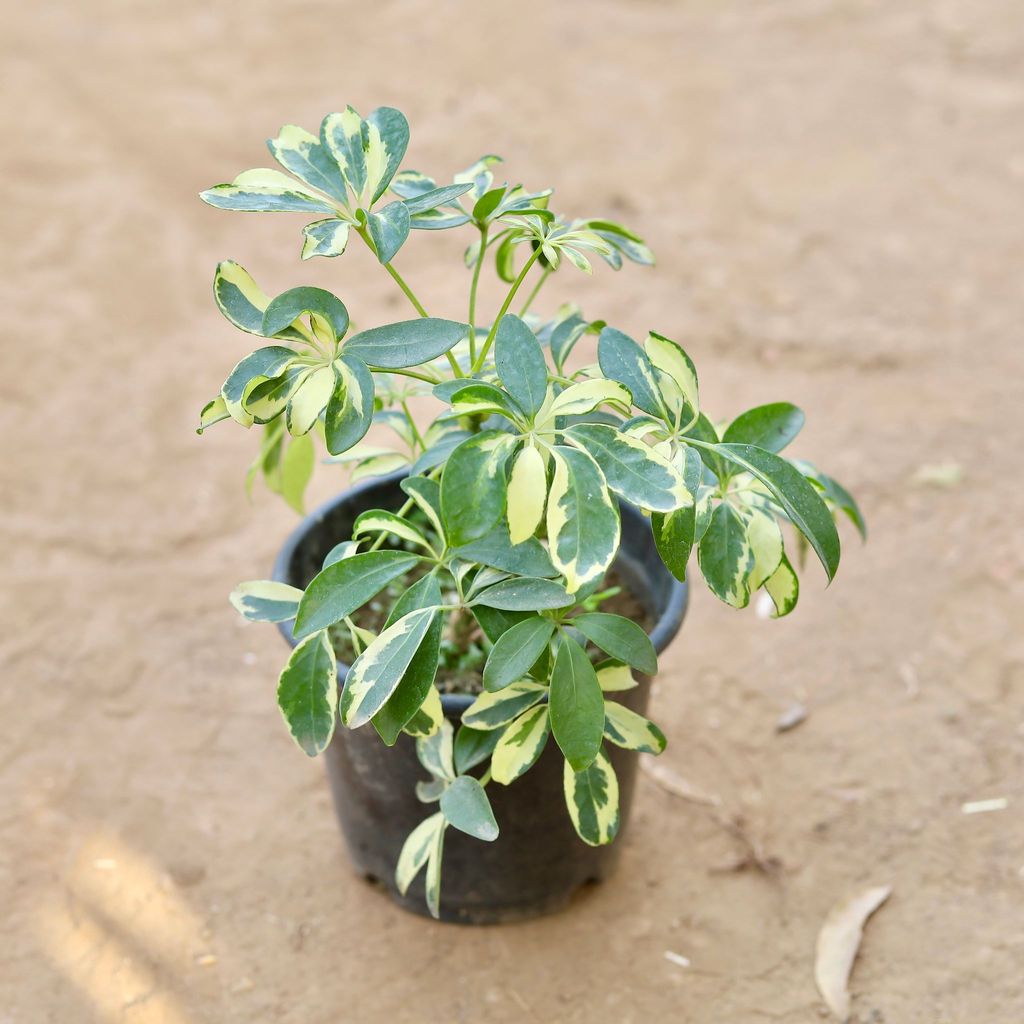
[834, 191]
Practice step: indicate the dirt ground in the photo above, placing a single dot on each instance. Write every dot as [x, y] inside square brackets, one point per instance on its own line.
[834, 191]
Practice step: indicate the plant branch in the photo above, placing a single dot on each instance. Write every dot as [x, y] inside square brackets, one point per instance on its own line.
[536, 289]
[472, 293]
[504, 309]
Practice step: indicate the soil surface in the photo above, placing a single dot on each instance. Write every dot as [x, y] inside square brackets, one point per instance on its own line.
[835, 192]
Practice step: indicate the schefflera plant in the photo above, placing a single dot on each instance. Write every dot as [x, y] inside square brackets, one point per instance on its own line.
[511, 519]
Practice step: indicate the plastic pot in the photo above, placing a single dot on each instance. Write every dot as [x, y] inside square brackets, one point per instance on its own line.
[537, 861]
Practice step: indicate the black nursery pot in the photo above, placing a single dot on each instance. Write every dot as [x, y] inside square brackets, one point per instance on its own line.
[537, 862]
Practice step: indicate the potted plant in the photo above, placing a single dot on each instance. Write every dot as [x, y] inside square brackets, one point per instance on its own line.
[481, 601]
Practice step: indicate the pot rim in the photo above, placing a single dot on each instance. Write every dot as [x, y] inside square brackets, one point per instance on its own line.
[668, 624]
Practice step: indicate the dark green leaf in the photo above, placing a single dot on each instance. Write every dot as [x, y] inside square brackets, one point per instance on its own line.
[524, 594]
[577, 705]
[341, 588]
[394, 133]
[520, 363]
[495, 622]
[770, 427]
[623, 360]
[622, 638]
[725, 556]
[474, 746]
[465, 806]
[389, 228]
[290, 305]
[307, 693]
[516, 651]
[528, 558]
[408, 343]
[350, 408]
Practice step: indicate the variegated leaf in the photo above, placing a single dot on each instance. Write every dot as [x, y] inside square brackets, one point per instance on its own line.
[765, 539]
[309, 400]
[350, 408]
[622, 359]
[613, 676]
[429, 719]
[725, 556]
[527, 491]
[303, 154]
[520, 745]
[592, 797]
[307, 693]
[385, 138]
[215, 411]
[627, 729]
[389, 228]
[582, 521]
[342, 135]
[266, 601]
[633, 469]
[416, 850]
[433, 882]
[477, 468]
[668, 358]
[578, 399]
[427, 495]
[492, 710]
[325, 238]
[296, 470]
[268, 399]
[783, 587]
[435, 751]
[379, 669]
[380, 521]
[266, 362]
[263, 190]
[379, 465]
[242, 301]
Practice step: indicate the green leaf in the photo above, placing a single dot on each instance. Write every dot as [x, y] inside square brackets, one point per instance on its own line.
[528, 558]
[297, 471]
[622, 359]
[241, 300]
[520, 363]
[435, 750]
[408, 343]
[350, 409]
[808, 513]
[783, 588]
[376, 673]
[389, 228]
[632, 468]
[524, 594]
[266, 362]
[520, 745]
[473, 747]
[307, 693]
[836, 493]
[416, 685]
[439, 451]
[492, 710]
[478, 398]
[674, 538]
[516, 651]
[725, 556]
[341, 588]
[582, 521]
[619, 637]
[303, 154]
[703, 431]
[466, 807]
[327, 311]
[342, 136]
[264, 191]
[495, 623]
[592, 797]
[325, 238]
[576, 705]
[427, 495]
[631, 731]
[770, 427]
[473, 486]
[266, 601]
[417, 849]
[267, 399]
[586, 396]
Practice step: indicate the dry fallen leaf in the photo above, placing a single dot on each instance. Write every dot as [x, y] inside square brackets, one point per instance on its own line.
[838, 942]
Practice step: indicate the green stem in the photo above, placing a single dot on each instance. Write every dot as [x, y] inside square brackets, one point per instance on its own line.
[472, 293]
[412, 424]
[504, 309]
[536, 289]
[406, 373]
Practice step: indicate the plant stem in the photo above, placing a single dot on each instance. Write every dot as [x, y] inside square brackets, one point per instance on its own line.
[472, 293]
[407, 373]
[504, 309]
[536, 289]
[412, 425]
